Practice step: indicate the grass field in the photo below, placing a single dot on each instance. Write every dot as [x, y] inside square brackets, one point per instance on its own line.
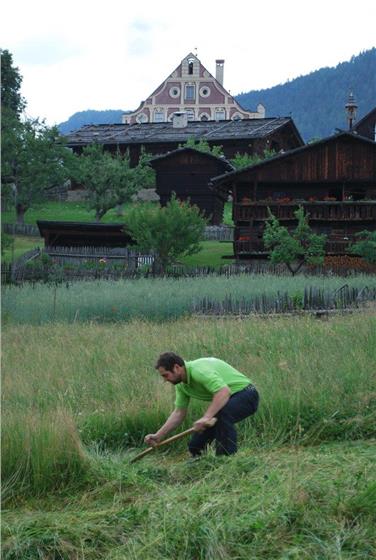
[77, 212]
[60, 211]
[78, 400]
[21, 245]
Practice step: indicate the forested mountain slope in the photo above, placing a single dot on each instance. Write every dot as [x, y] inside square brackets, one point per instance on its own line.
[317, 101]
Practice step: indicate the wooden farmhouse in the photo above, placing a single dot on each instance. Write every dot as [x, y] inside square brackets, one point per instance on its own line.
[367, 126]
[250, 136]
[334, 180]
[187, 172]
[82, 234]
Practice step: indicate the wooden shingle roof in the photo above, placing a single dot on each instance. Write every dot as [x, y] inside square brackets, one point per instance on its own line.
[147, 133]
[222, 161]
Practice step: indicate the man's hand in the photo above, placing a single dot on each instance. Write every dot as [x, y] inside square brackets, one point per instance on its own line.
[152, 439]
[201, 424]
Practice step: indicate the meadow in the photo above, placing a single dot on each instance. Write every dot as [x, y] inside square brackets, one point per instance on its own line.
[78, 212]
[78, 400]
[158, 299]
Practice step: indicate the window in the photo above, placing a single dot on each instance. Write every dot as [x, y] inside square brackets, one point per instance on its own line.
[189, 92]
[204, 117]
[190, 65]
[158, 116]
[205, 91]
[174, 91]
[142, 118]
[220, 114]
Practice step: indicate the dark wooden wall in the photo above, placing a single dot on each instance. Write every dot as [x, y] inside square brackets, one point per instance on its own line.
[188, 174]
[366, 126]
[340, 160]
[334, 180]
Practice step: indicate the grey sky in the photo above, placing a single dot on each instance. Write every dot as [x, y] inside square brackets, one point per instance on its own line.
[88, 54]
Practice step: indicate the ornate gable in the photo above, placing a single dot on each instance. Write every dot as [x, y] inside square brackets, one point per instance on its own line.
[190, 88]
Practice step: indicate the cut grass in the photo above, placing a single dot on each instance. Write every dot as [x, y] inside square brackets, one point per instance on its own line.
[289, 503]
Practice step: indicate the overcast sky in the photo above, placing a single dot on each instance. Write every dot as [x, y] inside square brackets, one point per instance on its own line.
[89, 54]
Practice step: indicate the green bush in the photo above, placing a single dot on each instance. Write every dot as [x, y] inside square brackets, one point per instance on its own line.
[366, 246]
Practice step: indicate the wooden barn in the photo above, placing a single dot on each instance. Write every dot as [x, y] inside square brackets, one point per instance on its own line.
[187, 172]
[366, 126]
[333, 179]
[82, 234]
[250, 136]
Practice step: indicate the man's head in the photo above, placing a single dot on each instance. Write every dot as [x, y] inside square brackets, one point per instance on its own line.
[171, 367]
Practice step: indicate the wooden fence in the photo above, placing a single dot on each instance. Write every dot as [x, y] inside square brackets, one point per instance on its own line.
[61, 264]
[219, 233]
[21, 229]
[313, 299]
[102, 255]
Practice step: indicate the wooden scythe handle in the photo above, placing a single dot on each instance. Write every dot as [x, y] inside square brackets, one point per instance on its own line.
[210, 424]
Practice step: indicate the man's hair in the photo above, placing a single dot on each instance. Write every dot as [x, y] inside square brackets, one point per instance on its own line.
[167, 360]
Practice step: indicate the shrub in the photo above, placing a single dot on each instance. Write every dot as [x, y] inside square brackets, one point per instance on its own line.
[366, 246]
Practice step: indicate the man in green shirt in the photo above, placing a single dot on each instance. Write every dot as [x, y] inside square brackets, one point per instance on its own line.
[230, 395]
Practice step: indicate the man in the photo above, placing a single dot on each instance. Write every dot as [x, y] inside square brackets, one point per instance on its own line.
[231, 395]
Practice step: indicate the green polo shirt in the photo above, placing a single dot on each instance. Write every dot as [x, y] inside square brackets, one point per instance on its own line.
[205, 377]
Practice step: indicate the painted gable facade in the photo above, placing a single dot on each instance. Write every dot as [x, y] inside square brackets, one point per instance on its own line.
[191, 89]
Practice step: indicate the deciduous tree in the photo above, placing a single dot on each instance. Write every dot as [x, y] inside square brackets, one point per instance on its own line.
[202, 145]
[33, 154]
[36, 159]
[293, 248]
[11, 81]
[109, 179]
[245, 160]
[169, 232]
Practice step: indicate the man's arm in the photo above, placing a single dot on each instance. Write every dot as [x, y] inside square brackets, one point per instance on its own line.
[220, 398]
[173, 421]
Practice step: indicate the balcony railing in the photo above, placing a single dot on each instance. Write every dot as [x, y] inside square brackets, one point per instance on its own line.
[256, 247]
[326, 211]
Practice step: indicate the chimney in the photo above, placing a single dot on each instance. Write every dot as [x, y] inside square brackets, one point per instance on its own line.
[219, 64]
[351, 108]
[180, 119]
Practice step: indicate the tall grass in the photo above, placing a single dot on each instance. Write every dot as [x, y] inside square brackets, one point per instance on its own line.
[316, 379]
[41, 450]
[158, 299]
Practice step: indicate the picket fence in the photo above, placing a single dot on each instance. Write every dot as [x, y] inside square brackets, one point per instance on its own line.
[313, 299]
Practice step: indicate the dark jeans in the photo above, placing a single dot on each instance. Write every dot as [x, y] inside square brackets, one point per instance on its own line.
[239, 406]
